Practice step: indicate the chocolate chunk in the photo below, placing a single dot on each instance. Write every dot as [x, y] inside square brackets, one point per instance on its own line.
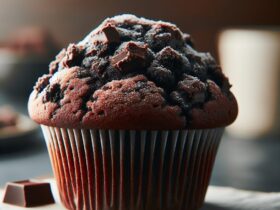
[28, 194]
[174, 61]
[161, 76]
[162, 35]
[74, 56]
[191, 92]
[200, 71]
[131, 57]
[194, 88]
[109, 35]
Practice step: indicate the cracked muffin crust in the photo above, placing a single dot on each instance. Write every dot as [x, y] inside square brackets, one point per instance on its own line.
[133, 73]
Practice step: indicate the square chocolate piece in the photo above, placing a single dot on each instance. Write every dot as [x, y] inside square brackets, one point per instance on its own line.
[27, 193]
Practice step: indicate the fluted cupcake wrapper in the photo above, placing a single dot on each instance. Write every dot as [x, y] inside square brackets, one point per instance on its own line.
[132, 170]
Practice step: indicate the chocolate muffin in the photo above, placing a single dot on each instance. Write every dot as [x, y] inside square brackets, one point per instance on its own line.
[133, 73]
[133, 116]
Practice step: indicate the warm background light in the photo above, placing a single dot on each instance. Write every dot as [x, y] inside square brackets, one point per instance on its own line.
[251, 59]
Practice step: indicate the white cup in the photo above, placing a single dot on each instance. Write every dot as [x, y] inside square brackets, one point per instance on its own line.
[251, 59]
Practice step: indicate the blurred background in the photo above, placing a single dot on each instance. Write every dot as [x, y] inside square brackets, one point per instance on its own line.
[244, 36]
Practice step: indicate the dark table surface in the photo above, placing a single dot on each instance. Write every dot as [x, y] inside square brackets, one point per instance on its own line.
[243, 164]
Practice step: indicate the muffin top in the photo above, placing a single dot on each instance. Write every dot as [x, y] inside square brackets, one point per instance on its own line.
[133, 73]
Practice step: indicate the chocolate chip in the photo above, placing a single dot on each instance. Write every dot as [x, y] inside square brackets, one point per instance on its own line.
[131, 57]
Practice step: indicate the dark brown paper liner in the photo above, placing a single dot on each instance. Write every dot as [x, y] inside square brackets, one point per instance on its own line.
[132, 170]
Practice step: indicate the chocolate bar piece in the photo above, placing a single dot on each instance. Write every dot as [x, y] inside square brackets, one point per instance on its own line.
[108, 34]
[27, 193]
[132, 56]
